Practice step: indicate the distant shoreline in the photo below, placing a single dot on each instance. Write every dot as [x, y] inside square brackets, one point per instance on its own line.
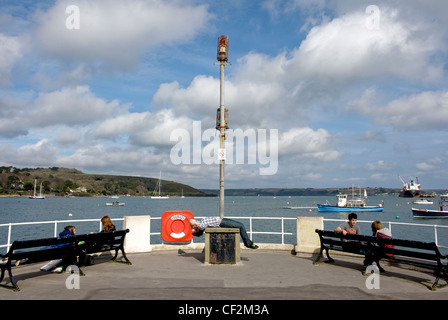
[281, 192]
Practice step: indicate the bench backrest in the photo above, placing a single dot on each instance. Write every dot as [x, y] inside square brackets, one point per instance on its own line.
[113, 239]
[52, 248]
[42, 249]
[423, 250]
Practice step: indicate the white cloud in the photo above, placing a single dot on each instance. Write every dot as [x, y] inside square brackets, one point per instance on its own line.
[346, 49]
[431, 164]
[308, 144]
[201, 97]
[42, 153]
[11, 51]
[143, 129]
[425, 110]
[70, 106]
[117, 32]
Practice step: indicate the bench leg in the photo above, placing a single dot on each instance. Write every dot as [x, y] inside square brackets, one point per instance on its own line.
[435, 282]
[114, 259]
[377, 261]
[14, 286]
[330, 259]
[3, 273]
[71, 261]
[441, 270]
[320, 255]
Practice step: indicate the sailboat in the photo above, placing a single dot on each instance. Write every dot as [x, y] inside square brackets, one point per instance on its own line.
[158, 189]
[40, 196]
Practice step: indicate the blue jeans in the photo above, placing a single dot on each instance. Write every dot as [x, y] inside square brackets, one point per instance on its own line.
[229, 223]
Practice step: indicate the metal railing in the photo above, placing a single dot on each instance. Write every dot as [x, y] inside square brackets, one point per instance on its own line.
[279, 231]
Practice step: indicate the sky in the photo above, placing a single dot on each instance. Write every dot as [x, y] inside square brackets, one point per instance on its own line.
[320, 93]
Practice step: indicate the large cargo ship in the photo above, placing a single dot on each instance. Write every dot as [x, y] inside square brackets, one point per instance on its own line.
[410, 189]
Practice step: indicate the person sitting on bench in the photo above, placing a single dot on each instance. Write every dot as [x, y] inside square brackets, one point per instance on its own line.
[107, 224]
[198, 227]
[350, 226]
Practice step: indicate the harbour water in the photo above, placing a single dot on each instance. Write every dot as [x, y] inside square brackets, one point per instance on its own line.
[396, 210]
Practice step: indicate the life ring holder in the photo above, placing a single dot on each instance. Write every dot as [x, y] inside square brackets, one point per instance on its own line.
[176, 226]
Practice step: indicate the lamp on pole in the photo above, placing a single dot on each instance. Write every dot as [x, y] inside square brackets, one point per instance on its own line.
[222, 117]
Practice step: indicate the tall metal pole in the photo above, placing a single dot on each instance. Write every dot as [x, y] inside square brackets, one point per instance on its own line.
[222, 130]
[223, 46]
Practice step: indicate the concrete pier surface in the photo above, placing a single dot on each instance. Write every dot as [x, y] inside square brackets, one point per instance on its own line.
[260, 275]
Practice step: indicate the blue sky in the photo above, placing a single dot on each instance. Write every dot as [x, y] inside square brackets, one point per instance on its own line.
[357, 94]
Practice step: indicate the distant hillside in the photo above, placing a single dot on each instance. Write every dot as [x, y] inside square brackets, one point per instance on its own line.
[62, 181]
[310, 191]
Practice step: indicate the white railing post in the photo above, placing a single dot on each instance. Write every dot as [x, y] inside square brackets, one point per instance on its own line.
[283, 230]
[9, 237]
[435, 235]
[55, 229]
[250, 225]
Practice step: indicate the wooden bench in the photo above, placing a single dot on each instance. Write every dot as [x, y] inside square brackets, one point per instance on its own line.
[67, 249]
[417, 253]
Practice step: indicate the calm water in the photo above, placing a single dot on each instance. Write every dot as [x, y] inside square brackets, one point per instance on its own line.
[396, 209]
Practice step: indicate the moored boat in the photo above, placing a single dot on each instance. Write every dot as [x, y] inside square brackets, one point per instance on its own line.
[410, 189]
[325, 207]
[422, 201]
[157, 191]
[115, 203]
[429, 213]
[356, 204]
[35, 196]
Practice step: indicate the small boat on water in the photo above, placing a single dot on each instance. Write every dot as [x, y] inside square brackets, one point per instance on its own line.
[115, 203]
[356, 204]
[157, 191]
[35, 196]
[428, 213]
[422, 201]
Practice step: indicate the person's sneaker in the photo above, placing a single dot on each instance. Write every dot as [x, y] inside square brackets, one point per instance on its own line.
[253, 246]
[57, 270]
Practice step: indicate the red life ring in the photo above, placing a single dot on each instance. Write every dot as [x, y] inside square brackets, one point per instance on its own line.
[176, 226]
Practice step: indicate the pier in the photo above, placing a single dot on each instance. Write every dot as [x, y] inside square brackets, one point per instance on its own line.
[180, 273]
[276, 280]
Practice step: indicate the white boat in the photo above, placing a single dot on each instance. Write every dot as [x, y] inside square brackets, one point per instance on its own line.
[157, 191]
[428, 213]
[356, 204]
[35, 196]
[115, 203]
[422, 201]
